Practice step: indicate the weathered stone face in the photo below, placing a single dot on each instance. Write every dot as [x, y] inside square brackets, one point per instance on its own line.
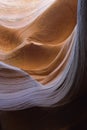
[38, 54]
[19, 13]
[40, 59]
[43, 63]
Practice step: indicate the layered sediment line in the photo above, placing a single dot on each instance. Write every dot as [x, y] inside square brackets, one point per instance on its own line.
[38, 53]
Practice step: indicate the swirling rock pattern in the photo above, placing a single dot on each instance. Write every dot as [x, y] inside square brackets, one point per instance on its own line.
[39, 53]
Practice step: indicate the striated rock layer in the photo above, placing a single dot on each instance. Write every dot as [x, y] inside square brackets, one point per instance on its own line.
[39, 55]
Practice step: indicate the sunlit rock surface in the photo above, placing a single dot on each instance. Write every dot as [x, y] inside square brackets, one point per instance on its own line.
[37, 52]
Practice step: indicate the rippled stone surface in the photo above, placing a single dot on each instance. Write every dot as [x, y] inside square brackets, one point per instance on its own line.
[18, 13]
[37, 52]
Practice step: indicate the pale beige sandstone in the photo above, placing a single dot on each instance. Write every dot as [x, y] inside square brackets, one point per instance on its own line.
[39, 39]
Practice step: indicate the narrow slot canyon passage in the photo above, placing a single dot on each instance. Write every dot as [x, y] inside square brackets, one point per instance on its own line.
[43, 64]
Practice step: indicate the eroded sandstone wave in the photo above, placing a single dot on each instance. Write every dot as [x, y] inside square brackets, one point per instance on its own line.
[37, 52]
